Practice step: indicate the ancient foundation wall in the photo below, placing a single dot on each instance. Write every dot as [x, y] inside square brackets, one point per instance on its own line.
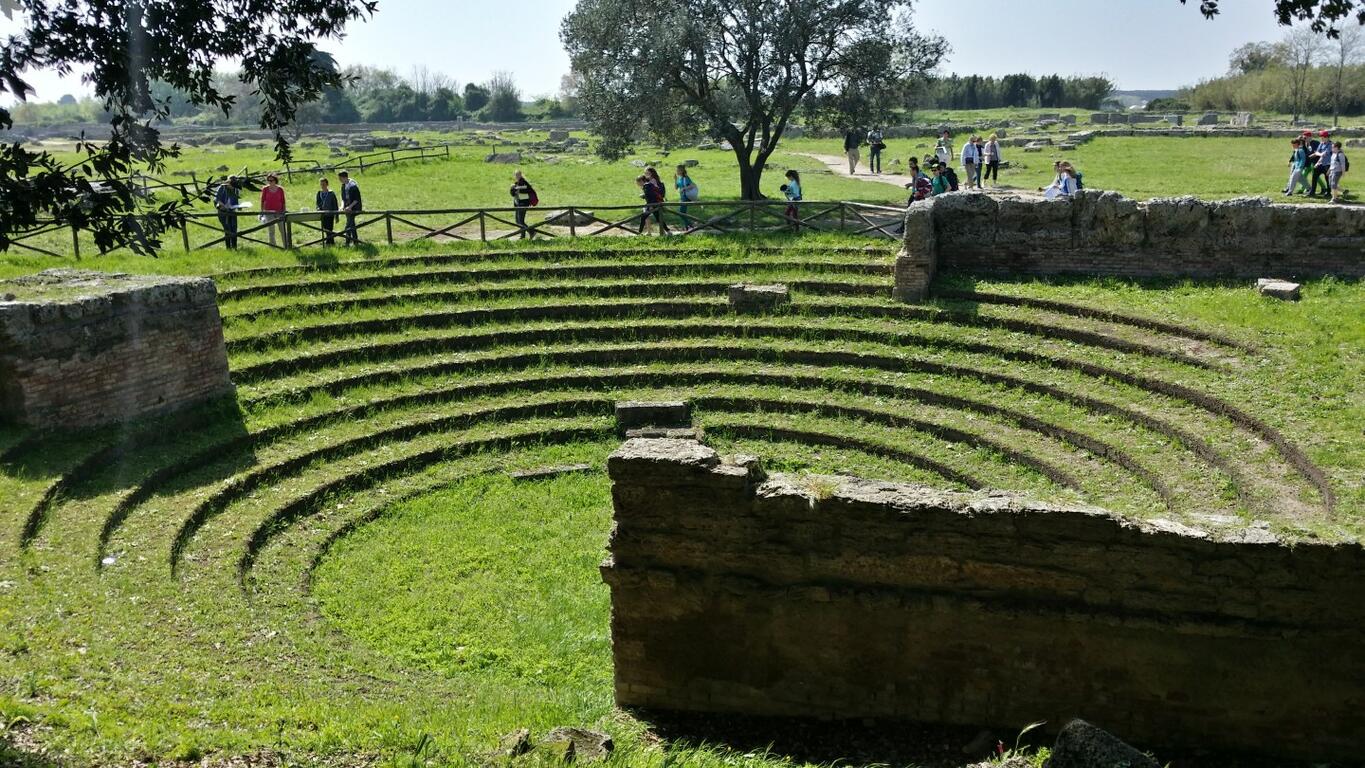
[80, 349]
[844, 598]
[1104, 233]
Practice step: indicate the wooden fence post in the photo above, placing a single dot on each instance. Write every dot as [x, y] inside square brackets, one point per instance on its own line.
[76, 241]
[573, 230]
[753, 207]
[185, 234]
[843, 216]
[388, 227]
[483, 229]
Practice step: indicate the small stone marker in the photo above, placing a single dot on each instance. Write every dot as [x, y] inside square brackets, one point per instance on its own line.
[559, 135]
[1082, 745]
[1278, 289]
[583, 744]
[544, 473]
[633, 414]
[758, 298]
[505, 158]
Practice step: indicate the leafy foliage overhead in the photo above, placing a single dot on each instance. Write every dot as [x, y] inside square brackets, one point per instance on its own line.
[122, 47]
[1323, 15]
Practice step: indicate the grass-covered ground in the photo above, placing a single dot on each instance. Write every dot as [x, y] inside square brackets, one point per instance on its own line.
[335, 567]
[1139, 167]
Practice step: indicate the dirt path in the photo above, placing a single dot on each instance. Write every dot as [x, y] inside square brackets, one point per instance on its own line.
[838, 166]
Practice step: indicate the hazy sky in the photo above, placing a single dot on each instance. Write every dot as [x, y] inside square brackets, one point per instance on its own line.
[1141, 44]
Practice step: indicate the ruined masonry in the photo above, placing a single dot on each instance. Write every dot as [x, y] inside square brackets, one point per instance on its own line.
[81, 349]
[738, 592]
[1103, 233]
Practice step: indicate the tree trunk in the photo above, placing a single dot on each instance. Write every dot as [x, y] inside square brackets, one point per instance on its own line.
[750, 177]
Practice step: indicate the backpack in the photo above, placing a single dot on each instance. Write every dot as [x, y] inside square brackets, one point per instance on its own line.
[1080, 181]
[535, 199]
[951, 175]
[923, 188]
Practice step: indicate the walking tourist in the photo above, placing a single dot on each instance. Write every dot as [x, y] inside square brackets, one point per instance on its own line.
[272, 207]
[327, 203]
[969, 162]
[523, 197]
[1321, 160]
[654, 177]
[226, 201]
[687, 193]
[792, 190]
[1298, 165]
[654, 197]
[943, 151]
[940, 184]
[351, 206]
[852, 140]
[876, 143]
[1340, 165]
[990, 160]
[920, 186]
[980, 159]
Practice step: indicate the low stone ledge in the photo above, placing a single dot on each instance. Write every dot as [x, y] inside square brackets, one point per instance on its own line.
[1283, 290]
[81, 348]
[733, 591]
[547, 473]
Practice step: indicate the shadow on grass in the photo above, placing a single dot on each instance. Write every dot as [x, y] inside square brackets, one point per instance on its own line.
[841, 742]
[896, 742]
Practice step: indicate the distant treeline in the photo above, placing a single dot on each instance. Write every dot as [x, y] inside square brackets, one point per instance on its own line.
[1048, 92]
[1269, 90]
[375, 96]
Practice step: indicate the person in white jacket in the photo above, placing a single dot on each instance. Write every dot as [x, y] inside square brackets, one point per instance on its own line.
[990, 160]
[970, 158]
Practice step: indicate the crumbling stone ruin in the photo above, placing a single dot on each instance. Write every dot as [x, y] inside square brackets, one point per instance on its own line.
[734, 591]
[1104, 233]
[80, 349]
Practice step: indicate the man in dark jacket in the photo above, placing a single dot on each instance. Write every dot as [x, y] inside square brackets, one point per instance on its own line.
[327, 202]
[852, 140]
[351, 206]
[226, 201]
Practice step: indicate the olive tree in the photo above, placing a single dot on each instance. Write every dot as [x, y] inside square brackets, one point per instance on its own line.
[122, 47]
[737, 69]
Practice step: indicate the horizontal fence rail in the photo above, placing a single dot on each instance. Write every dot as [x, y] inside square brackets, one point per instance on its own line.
[304, 229]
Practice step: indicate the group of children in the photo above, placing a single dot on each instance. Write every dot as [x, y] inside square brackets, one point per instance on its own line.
[653, 192]
[1320, 159]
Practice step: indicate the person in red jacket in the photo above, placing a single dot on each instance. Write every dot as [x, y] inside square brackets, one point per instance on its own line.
[272, 206]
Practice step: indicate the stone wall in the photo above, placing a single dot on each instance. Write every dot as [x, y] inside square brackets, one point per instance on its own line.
[80, 349]
[846, 598]
[1104, 233]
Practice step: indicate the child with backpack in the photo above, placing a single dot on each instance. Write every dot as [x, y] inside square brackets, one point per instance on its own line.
[687, 193]
[1298, 164]
[1340, 165]
[653, 194]
[792, 190]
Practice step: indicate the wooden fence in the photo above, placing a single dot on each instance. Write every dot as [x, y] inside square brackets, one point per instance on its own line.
[307, 229]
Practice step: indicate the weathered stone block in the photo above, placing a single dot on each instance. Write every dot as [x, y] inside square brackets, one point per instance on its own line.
[752, 299]
[836, 597]
[1278, 289]
[81, 348]
[1082, 745]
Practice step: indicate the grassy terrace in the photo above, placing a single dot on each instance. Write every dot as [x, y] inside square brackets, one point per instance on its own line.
[336, 563]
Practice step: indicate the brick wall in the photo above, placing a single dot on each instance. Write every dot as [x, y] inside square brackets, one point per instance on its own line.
[844, 598]
[81, 348]
[1104, 233]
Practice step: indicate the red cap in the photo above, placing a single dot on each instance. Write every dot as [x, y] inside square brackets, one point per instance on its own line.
[1307, 133]
[1324, 133]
